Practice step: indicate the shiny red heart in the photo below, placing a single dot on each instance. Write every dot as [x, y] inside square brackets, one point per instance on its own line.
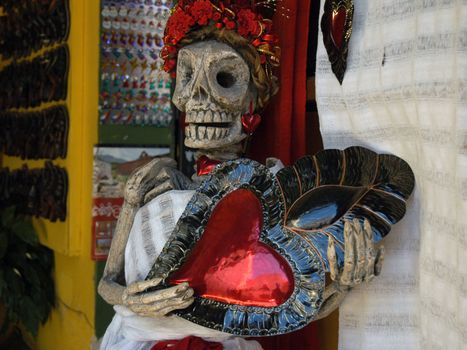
[230, 264]
[338, 20]
[204, 165]
[250, 122]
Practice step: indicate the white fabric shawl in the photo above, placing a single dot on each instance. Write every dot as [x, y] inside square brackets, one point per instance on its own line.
[404, 93]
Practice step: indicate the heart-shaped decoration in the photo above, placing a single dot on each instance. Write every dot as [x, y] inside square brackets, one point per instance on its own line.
[253, 246]
[250, 122]
[336, 25]
[204, 165]
[338, 20]
[216, 268]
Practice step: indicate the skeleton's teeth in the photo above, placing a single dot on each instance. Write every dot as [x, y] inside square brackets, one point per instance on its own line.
[223, 117]
[211, 131]
[202, 132]
[198, 132]
[208, 117]
[200, 117]
[193, 133]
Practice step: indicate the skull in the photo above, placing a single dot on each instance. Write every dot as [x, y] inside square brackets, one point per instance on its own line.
[214, 89]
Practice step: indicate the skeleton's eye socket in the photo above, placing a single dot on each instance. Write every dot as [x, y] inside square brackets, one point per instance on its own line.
[187, 74]
[225, 79]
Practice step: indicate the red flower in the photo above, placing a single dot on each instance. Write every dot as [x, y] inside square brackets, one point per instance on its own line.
[247, 23]
[202, 12]
[216, 16]
[179, 24]
[228, 23]
[168, 50]
[169, 65]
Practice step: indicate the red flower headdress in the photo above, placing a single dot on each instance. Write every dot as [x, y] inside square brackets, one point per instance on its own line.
[248, 18]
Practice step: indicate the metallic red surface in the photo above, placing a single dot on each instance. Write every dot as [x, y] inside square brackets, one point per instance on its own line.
[250, 122]
[204, 165]
[230, 265]
[338, 20]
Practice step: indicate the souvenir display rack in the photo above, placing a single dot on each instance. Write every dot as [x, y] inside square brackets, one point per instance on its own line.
[134, 100]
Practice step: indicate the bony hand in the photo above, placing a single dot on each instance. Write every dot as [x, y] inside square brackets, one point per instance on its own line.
[156, 303]
[362, 261]
[146, 178]
[153, 179]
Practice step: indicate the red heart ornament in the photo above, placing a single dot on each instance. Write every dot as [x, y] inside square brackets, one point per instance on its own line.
[230, 264]
[250, 122]
[254, 246]
[338, 20]
[204, 165]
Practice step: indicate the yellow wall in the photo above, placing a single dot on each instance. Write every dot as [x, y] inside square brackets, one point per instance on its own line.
[71, 325]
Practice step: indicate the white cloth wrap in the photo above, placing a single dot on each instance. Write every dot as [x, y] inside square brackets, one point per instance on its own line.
[151, 228]
[404, 93]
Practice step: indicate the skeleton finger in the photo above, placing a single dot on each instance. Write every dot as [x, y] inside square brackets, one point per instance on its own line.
[141, 286]
[379, 261]
[144, 178]
[189, 293]
[360, 245]
[332, 259]
[182, 306]
[154, 170]
[370, 252]
[155, 297]
[159, 189]
[179, 180]
[131, 296]
[168, 179]
[157, 308]
[349, 255]
[143, 307]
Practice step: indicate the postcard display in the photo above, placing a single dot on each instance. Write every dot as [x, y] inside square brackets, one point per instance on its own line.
[135, 114]
[35, 63]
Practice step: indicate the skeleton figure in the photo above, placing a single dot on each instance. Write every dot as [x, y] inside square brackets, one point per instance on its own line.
[214, 88]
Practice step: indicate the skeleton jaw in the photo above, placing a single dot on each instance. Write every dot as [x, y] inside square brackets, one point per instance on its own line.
[212, 129]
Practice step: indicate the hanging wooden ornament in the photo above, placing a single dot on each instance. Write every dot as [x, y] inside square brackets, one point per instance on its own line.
[336, 25]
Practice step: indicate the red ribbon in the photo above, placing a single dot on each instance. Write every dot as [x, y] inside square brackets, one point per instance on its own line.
[204, 165]
[269, 37]
[256, 42]
[188, 343]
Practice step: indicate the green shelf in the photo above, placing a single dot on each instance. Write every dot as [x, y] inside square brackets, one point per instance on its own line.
[134, 135]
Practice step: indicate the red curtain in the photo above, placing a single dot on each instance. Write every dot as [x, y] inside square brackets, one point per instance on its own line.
[282, 133]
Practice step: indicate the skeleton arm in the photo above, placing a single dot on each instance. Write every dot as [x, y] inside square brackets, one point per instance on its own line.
[156, 177]
[362, 261]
